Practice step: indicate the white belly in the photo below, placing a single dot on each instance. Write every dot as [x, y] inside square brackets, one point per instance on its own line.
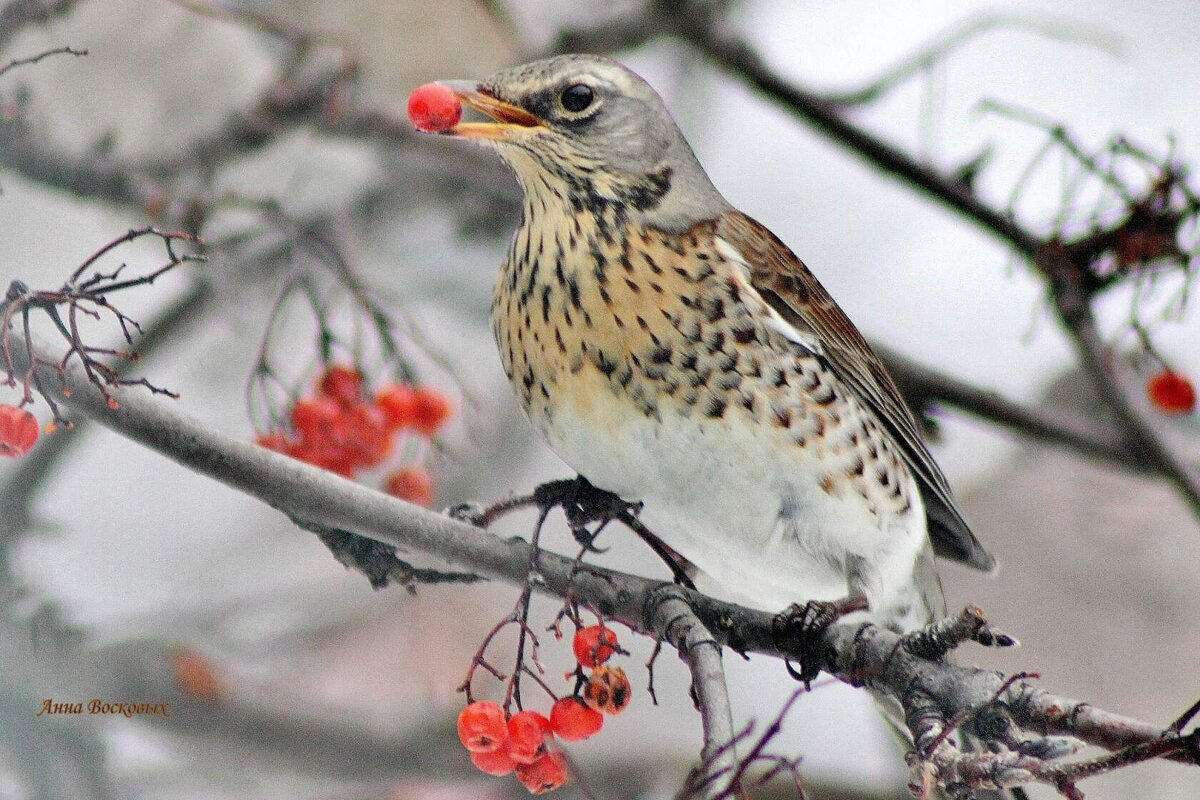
[743, 504]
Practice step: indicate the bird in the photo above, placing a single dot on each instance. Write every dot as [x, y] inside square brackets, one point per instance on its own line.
[675, 353]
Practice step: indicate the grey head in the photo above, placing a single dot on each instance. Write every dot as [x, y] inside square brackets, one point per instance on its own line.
[584, 128]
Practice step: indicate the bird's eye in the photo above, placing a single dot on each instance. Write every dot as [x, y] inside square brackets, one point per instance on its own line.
[577, 97]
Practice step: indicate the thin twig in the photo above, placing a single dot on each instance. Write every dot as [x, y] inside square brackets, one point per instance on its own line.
[20, 62]
[20, 490]
[1076, 312]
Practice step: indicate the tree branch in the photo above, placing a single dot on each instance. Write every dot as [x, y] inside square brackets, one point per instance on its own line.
[674, 617]
[736, 56]
[18, 492]
[964, 31]
[57, 51]
[857, 654]
[923, 385]
[1075, 310]
[322, 100]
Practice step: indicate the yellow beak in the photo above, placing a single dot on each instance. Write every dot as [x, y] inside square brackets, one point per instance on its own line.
[509, 119]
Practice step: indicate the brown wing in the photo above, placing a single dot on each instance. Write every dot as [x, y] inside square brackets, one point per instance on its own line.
[788, 287]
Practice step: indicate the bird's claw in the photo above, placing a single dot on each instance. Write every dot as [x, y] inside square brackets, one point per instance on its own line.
[583, 503]
[799, 629]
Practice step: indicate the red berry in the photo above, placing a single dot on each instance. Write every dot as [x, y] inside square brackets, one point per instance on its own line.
[496, 763]
[343, 384]
[318, 419]
[195, 674]
[434, 108]
[397, 401]
[544, 775]
[527, 732]
[571, 719]
[1172, 393]
[367, 437]
[594, 645]
[481, 727]
[608, 690]
[412, 484]
[18, 431]
[431, 409]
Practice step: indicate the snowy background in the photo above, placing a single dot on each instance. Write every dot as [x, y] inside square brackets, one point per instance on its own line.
[1100, 574]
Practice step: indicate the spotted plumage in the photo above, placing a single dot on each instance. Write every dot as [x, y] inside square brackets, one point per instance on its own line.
[675, 352]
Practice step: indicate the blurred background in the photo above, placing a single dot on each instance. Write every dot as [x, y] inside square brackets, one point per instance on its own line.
[126, 577]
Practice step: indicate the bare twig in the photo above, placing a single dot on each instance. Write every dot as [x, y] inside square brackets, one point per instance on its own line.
[739, 58]
[87, 297]
[58, 51]
[18, 492]
[733, 784]
[1075, 310]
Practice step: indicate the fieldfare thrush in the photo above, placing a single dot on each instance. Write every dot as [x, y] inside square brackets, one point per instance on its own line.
[675, 352]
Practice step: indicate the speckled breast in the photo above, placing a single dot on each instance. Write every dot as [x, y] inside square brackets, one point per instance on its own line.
[654, 331]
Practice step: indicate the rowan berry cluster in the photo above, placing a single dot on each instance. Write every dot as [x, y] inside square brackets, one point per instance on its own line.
[340, 428]
[524, 742]
[18, 431]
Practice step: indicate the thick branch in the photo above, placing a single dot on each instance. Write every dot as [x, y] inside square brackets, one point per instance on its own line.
[855, 654]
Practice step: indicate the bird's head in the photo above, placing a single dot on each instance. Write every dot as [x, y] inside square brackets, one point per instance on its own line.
[584, 128]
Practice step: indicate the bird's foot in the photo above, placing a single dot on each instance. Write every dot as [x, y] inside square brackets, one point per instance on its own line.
[799, 629]
[937, 639]
[584, 504]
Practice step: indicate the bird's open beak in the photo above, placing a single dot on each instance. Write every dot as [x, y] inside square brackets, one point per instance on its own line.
[508, 119]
